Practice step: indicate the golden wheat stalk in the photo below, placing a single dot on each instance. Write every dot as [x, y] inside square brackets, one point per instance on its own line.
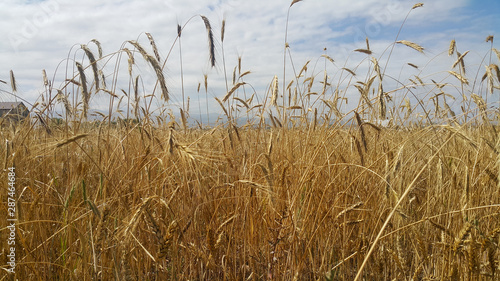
[274, 89]
[157, 68]
[460, 59]
[418, 5]
[234, 88]
[61, 97]
[85, 92]
[349, 70]
[153, 46]
[459, 77]
[452, 47]
[411, 45]
[326, 57]
[70, 140]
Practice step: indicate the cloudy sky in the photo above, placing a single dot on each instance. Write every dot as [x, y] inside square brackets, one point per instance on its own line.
[46, 34]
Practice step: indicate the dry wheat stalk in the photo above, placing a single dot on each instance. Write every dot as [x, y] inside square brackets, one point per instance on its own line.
[223, 30]
[222, 106]
[459, 77]
[153, 46]
[497, 53]
[411, 45]
[61, 97]
[274, 91]
[93, 64]
[364, 51]
[85, 92]
[462, 236]
[234, 88]
[413, 65]
[13, 83]
[452, 47]
[245, 104]
[348, 209]
[460, 59]
[131, 60]
[418, 5]
[157, 68]
[350, 71]
[326, 57]
[245, 73]
[70, 140]
[211, 44]
[99, 48]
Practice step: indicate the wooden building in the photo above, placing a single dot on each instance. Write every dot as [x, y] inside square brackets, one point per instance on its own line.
[14, 111]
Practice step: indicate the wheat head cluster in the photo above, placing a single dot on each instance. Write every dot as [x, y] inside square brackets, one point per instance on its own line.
[286, 185]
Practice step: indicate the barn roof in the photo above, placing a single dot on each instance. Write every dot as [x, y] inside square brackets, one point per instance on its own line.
[9, 105]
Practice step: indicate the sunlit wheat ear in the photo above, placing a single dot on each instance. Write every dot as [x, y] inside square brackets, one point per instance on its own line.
[497, 53]
[462, 236]
[461, 61]
[326, 57]
[489, 74]
[452, 47]
[274, 89]
[234, 88]
[239, 65]
[349, 70]
[294, 2]
[93, 63]
[211, 44]
[411, 45]
[85, 92]
[13, 83]
[136, 97]
[418, 5]
[497, 70]
[157, 68]
[459, 77]
[70, 140]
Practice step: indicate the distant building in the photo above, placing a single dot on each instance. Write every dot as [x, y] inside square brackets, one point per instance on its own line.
[15, 111]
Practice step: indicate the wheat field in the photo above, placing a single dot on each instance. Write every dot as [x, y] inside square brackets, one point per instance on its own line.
[299, 190]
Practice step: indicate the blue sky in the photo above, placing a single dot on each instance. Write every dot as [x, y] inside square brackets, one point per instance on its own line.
[40, 35]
